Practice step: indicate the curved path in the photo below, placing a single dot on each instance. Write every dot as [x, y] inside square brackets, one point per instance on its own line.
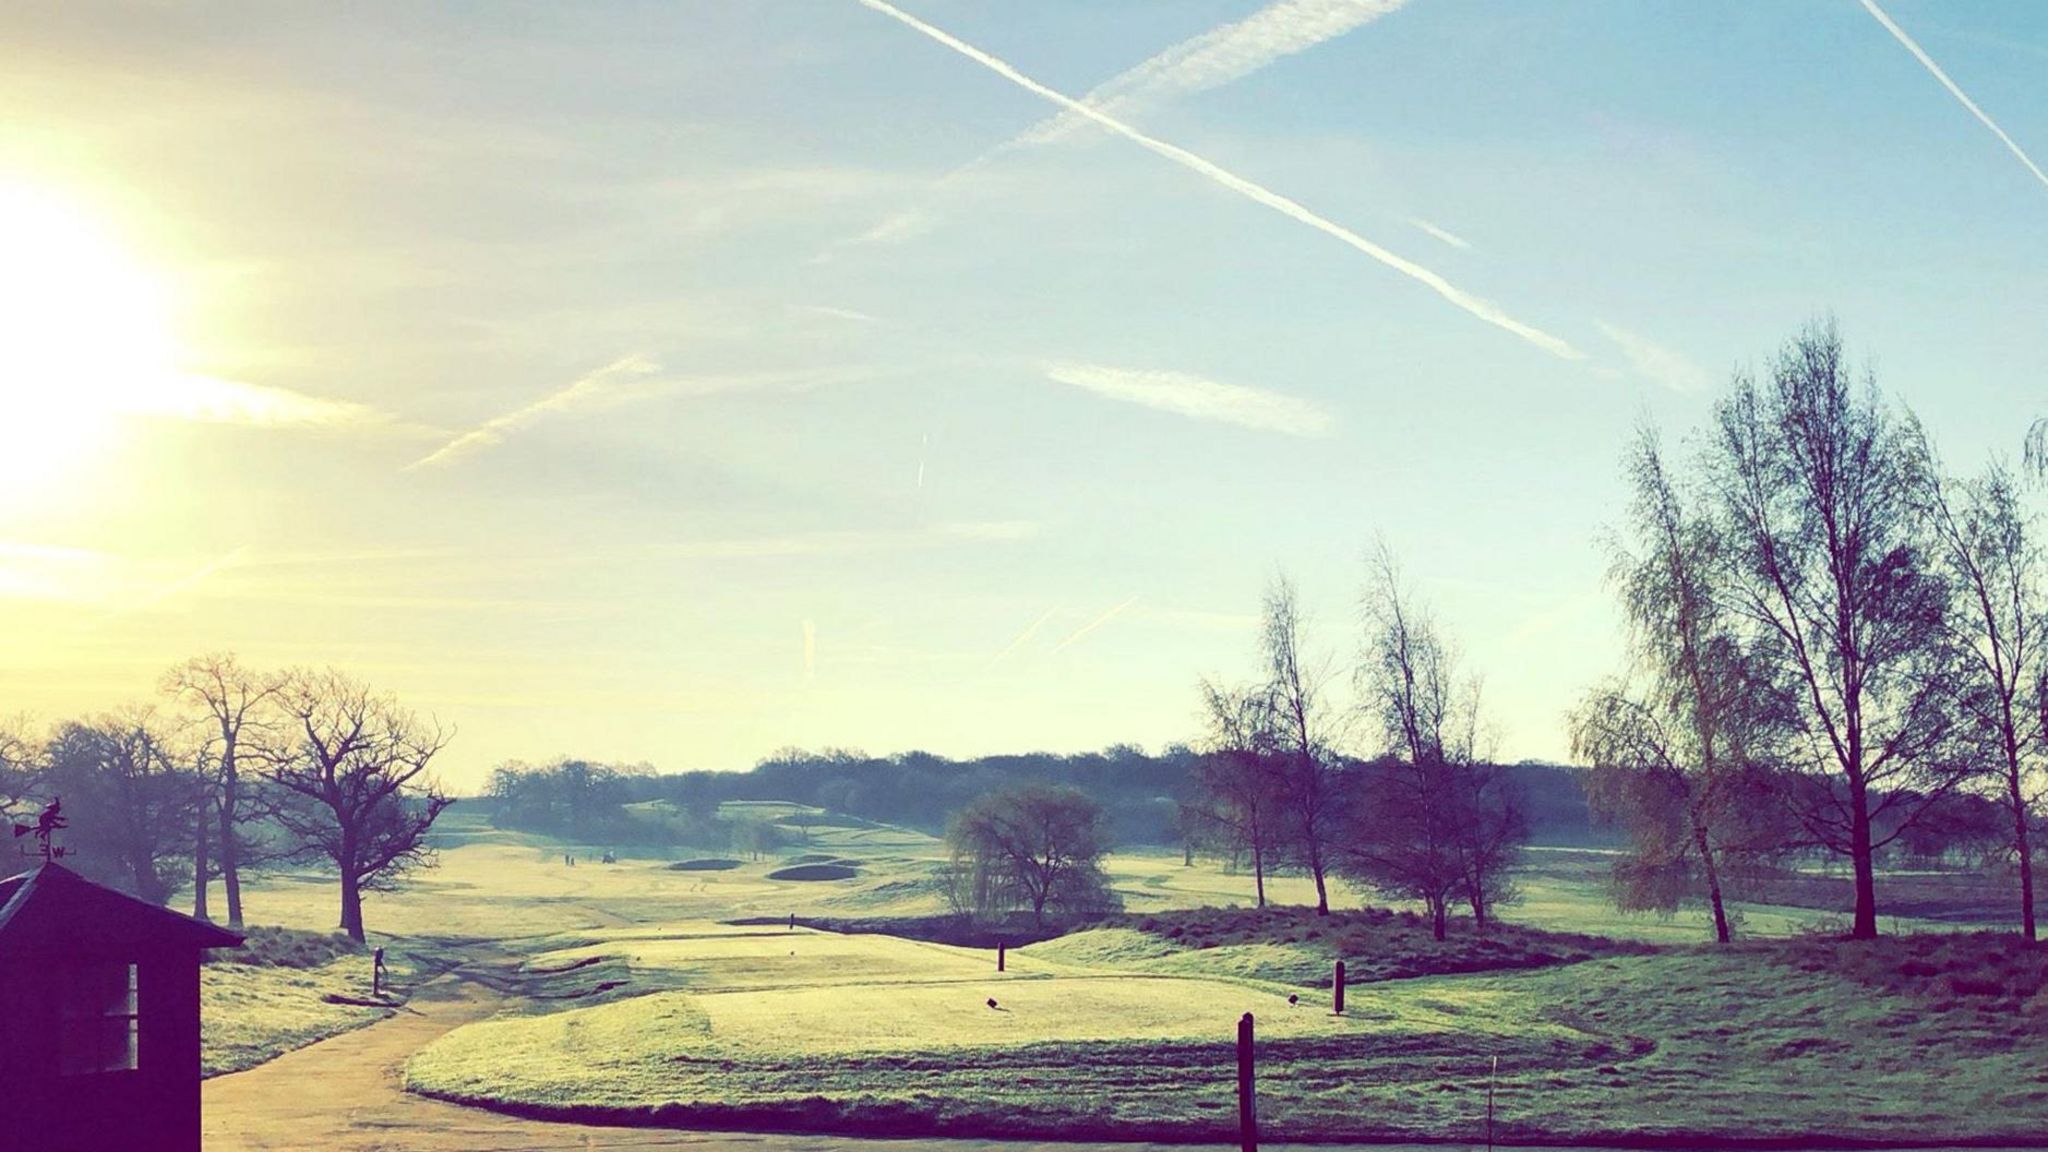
[344, 1095]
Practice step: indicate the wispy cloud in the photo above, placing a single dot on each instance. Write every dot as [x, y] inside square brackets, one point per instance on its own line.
[1197, 398]
[1024, 637]
[211, 400]
[1448, 237]
[1082, 632]
[1220, 56]
[1223, 55]
[1656, 362]
[1257, 193]
[598, 387]
[848, 542]
[1927, 61]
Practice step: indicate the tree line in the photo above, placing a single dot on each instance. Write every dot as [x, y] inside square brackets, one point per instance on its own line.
[233, 771]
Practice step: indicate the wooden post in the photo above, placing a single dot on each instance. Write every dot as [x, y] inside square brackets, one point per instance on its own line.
[1001, 958]
[1490, 1078]
[1338, 999]
[1247, 1113]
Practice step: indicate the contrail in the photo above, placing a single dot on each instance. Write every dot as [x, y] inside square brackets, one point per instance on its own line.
[1023, 637]
[1222, 55]
[581, 392]
[1099, 621]
[1899, 34]
[1254, 192]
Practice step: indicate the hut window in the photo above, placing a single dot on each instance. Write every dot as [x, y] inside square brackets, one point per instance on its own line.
[98, 1025]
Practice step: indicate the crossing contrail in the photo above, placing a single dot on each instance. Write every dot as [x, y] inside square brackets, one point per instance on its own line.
[1257, 193]
[1899, 34]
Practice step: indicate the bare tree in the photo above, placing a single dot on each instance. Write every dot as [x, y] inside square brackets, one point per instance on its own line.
[1035, 847]
[129, 797]
[1816, 488]
[1987, 544]
[355, 765]
[1670, 762]
[1237, 780]
[1304, 737]
[231, 700]
[1433, 822]
[18, 765]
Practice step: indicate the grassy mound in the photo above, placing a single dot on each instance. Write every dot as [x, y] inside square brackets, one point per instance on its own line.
[265, 946]
[1294, 945]
[815, 872]
[706, 864]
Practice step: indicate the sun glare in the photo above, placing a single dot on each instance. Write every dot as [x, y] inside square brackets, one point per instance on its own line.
[85, 337]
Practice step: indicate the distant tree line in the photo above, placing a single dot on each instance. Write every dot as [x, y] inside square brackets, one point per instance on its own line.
[236, 771]
[1837, 645]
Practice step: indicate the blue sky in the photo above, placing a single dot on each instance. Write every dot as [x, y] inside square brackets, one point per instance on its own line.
[678, 381]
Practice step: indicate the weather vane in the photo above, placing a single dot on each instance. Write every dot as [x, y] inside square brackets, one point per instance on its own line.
[51, 821]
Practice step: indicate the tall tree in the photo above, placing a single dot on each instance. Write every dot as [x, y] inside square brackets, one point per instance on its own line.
[1671, 762]
[1035, 847]
[1816, 488]
[1992, 555]
[231, 701]
[354, 764]
[1304, 737]
[1434, 822]
[1237, 780]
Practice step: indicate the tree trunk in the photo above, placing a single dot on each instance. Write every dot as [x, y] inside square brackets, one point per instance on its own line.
[1706, 851]
[200, 879]
[351, 905]
[1478, 901]
[1259, 872]
[2021, 846]
[1439, 917]
[1322, 889]
[230, 852]
[1862, 857]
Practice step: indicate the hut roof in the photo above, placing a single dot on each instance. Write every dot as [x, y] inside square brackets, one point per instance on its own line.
[50, 908]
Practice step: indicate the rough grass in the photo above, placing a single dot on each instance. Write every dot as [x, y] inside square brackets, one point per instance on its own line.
[1798, 1041]
[250, 1013]
[1294, 945]
[268, 946]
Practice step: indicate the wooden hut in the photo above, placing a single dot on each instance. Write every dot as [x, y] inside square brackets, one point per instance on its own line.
[99, 1016]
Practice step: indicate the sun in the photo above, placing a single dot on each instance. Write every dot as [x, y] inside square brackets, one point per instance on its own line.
[85, 336]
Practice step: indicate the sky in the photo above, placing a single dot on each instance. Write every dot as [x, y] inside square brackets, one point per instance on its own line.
[674, 382]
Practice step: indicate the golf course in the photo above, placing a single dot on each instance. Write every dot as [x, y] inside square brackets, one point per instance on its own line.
[538, 996]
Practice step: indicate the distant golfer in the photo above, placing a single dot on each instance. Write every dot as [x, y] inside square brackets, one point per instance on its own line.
[792, 921]
[377, 972]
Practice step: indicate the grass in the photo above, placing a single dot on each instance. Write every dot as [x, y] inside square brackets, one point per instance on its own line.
[256, 1009]
[1789, 1041]
[1295, 946]
[271, 946]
